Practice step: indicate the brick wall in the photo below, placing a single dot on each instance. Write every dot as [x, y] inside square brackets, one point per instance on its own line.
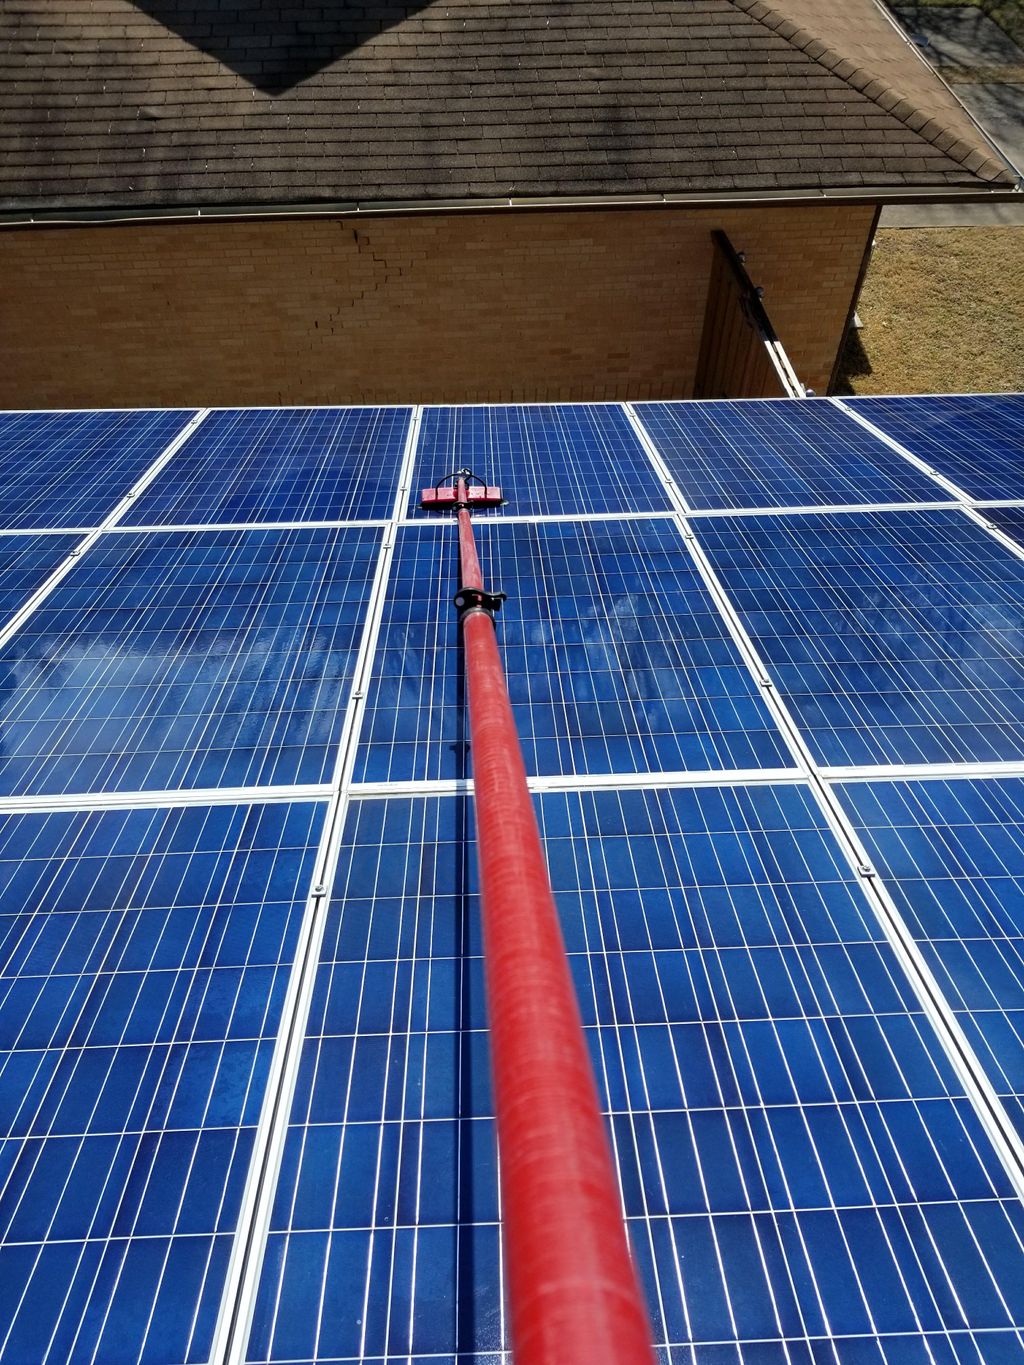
[532, 306]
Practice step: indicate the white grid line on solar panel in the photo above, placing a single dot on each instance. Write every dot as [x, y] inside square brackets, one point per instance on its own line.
[540, 518]
[586, 782]
[802, 452]
[191, 796]
[79, 464]
[247, 1253]
[721, 1128]
[893, 636]
[975, 439]
[355, 524]
[267, 464]
[820, 509]
[616, 658]
[952, 852]
[558, 458]
[194, 660]
[32, 531]
[919, 772]
[141, 955]
[692, 514]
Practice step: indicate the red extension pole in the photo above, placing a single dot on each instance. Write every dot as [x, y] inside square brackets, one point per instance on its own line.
[573, 1293]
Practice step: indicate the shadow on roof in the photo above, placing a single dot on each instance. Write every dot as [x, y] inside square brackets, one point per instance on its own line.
[274, 45]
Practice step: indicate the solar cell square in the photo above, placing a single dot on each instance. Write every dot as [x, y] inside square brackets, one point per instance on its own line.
[798, 1163]
[143, 956]
[187, 659]
[25, 564]
[778, 453]
[893, 637]
[567, 458]
[71, 469]
[616, 658]
[281, 464]
[977, 440]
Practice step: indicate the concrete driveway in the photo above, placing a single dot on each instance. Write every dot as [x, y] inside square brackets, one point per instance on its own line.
[986, 71]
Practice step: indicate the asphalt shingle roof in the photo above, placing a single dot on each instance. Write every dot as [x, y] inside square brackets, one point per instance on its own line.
[184, 102]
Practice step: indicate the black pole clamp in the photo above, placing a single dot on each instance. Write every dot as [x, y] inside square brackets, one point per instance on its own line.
[470, 599]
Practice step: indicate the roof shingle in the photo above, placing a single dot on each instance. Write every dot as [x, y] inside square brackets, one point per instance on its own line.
[179, 102]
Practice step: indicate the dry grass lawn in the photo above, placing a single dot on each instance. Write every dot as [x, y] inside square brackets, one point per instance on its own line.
[943, 312]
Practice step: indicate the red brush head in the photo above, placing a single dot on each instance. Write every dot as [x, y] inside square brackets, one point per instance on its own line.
[437, 499]
[446, 497]
[484, 496]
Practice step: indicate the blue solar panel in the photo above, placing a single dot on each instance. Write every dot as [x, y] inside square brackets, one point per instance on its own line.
[894, 637]
[25, 564]
[616, 658]
[806, 1181]
[273, 464]
[72, 468]
[779, 453]
[952, 853]
[187, 659]
[975, 440]
[1008, 519]
[143, 960]
[801, 1172]
[567, 458]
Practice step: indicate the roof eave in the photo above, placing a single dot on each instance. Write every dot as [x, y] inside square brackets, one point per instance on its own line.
[865, 194]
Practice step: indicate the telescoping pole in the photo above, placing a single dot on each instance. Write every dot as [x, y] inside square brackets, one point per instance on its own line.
[573, 1293]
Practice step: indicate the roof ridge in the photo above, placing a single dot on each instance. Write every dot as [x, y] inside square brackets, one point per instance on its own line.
[979, 162]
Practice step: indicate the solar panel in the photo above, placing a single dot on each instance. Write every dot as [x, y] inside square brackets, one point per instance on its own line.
[272, 464]
[894, 637]
[143, 959]
[803, 1154]
[766, 453]
[975, 440]
[616, 657]
[568, 458]
[26, 561]
[70, 469]
[952, 853]
[798, 1161]
[188, 659]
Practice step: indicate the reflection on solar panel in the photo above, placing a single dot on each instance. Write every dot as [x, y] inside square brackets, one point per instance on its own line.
[70, 469]
[977, 441]
[616, 657]
[894, 636]
[184, 659]
[770, 454]
[953, 853]
[25, 564]
[293, 464]
[244, 1100]
[568, 458]
[767, 1071]
[142, 970]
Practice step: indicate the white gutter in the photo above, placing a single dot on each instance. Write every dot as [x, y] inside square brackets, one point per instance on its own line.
[888, 194]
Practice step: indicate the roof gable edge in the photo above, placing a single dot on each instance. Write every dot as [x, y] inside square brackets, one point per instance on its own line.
[978, 160]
